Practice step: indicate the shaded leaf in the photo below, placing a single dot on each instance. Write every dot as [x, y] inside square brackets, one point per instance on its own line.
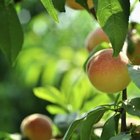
[11, 36]
[83, 3]
[134, 72]
[133, 106]
[48, 4]
[122, 137]
[91, 118]
[59, 5]
[110, 127]
[113, 16]
[86, 122]
[72, 128]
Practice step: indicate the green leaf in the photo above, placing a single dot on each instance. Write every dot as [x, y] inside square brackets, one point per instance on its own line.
[50, 94]
[122, 137]
[113, 16]
[5, 136]
[48, 4]
[59, 5]
[110, 128]
[83, 3]
[91, 118]
[55, 109]
[72, 128]
[133, 106]
[11, 36]
[134, 72]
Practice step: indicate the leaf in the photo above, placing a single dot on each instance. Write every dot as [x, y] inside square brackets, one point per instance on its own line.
[72, 128]
[122, 137]
[55, 109]
[91, 118]
[50, 94]
[48, 4]
[83, 3]
[113, 16]
[110, 128]
[59, 5]
[85, 122]
[11, 36]
[134, 72]
[133, 106]
[5, 136]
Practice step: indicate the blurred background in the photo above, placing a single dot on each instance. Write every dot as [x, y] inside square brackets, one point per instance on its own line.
[52, 57]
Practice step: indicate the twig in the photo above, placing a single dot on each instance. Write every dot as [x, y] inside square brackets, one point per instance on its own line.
[93, 12]
[123, 115]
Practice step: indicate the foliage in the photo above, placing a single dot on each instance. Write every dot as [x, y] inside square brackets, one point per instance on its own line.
[50, 62]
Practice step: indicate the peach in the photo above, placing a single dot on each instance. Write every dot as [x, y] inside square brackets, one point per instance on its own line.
[95, 38]
[37, 127]
[107, 73]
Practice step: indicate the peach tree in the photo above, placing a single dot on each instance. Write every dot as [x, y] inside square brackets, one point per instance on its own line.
[113, 18]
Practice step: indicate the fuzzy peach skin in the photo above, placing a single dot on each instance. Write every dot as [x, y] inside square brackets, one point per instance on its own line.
[37, 127]
[74, 5]
[107, 73]
[95, 38]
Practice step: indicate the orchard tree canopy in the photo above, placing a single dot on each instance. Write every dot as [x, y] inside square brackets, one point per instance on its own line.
[83, 81]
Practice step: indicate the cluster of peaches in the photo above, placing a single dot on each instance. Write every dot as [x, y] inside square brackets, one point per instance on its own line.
[107, 73]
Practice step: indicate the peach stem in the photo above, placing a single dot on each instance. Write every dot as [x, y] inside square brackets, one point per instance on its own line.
[123, 115]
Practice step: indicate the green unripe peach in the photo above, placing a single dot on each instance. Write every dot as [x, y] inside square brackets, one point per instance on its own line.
[37, 127]
[107, 73]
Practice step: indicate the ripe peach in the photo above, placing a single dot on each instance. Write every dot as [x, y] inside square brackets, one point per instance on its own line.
[95, 38]
[74, 5]
[107, 73]
[37, 127]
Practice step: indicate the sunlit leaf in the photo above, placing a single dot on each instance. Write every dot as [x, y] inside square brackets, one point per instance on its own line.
[134, 72]
[50, 94]
[55, 109]
[132, 106]
[110, 127]
[113, 16]
[5, 136]
[48, 4]
[76, 88]
[91, 118]
[11, 34]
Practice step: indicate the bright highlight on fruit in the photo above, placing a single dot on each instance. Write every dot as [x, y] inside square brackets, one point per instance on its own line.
[95, 38]
[74, 5]
[37, 127]
[107, 73]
